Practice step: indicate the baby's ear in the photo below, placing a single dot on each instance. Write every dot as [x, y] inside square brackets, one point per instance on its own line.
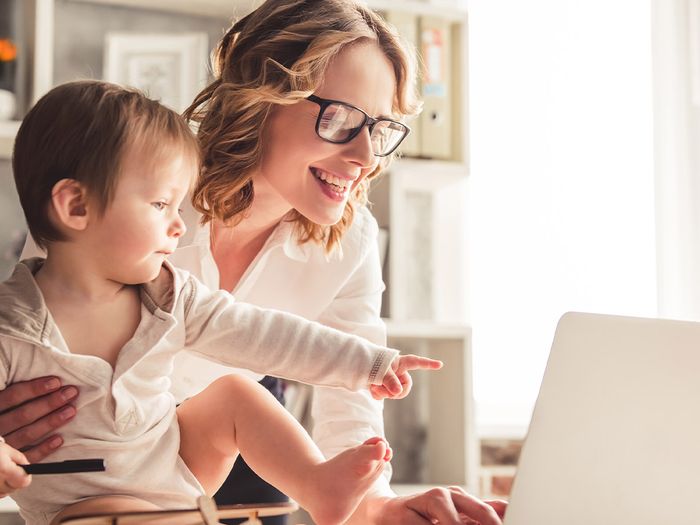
[69, 204]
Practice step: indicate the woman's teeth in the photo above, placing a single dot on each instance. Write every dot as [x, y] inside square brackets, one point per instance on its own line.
[337, 184]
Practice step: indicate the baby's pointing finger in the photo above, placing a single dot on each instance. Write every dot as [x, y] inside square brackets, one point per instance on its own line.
[416, 362]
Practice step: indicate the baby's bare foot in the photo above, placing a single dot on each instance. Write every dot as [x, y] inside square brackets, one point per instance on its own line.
[339, 484]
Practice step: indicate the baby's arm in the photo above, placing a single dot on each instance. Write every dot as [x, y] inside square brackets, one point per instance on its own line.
[285, 345]
[12, 476]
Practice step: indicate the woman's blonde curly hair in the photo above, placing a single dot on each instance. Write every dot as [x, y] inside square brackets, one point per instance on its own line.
[277, 55]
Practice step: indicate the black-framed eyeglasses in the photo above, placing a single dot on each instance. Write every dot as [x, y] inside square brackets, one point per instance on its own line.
[339, 122]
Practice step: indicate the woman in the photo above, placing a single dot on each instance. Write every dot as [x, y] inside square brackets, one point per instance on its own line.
[305, 110]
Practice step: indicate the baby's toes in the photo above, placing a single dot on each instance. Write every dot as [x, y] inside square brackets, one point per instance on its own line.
[370, 456]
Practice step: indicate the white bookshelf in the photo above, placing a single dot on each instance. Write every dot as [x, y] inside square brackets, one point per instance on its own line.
[40, 18]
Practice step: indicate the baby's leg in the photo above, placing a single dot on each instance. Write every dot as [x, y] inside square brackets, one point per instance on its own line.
[104, 505]
[235, 413]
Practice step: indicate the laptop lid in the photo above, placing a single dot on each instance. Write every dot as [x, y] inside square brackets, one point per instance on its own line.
[615, 434]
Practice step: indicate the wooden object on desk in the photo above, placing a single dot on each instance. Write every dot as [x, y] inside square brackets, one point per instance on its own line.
[205, 514]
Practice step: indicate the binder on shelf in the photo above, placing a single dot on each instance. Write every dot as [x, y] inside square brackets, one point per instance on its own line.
[407, 26]
[436, 120]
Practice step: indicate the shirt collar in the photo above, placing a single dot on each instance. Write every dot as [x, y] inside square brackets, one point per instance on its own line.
[283, 236]
[286, 235]
[24, 314]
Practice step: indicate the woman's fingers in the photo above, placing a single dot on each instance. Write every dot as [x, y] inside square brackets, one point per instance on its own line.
[32, 423]
[38, 429]
[18, 393]
[41, 450]
[446, 506]
[499, 506]
[21, 405]
[436, 506]
[474, 508]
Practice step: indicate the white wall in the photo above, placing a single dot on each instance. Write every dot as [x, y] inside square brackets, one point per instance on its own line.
[677, 154]
[562, 186]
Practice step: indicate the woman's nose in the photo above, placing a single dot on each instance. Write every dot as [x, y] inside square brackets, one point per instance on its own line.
[360, 151]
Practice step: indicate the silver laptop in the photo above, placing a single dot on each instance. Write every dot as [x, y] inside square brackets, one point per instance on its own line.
[615, 434]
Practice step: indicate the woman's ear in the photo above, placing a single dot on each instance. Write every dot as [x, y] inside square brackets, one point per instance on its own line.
[69, 204]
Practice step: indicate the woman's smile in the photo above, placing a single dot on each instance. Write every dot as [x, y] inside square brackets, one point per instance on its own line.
[333, 186]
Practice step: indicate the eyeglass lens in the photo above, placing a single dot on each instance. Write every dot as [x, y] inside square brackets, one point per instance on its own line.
[340, 122]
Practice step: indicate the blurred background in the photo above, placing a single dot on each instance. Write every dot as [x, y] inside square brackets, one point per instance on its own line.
[554, 168]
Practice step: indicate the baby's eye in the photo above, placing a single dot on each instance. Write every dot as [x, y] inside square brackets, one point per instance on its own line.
[159, 205]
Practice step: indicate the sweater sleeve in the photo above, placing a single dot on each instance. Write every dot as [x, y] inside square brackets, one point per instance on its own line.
[279, 343]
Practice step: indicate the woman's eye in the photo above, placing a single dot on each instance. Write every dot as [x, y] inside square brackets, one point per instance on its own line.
[159, 205]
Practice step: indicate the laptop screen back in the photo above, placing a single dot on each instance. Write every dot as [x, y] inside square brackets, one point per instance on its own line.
[615, 434]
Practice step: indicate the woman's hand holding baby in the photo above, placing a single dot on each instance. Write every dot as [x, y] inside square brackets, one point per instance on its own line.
[397, 381]
[12, 476]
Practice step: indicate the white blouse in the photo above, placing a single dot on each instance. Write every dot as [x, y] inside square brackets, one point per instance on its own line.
[342, 290]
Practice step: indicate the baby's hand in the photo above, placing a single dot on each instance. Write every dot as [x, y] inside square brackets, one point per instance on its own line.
[12, 476]
[397, 381]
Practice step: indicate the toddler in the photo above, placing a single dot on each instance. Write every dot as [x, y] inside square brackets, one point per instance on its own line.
[101, 171]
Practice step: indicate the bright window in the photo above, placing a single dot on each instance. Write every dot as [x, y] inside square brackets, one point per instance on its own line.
[562, 187]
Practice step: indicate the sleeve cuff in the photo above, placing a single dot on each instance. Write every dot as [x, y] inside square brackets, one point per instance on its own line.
[381, 366]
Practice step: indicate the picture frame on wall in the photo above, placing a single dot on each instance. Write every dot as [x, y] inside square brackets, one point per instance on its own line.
[171, 68]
